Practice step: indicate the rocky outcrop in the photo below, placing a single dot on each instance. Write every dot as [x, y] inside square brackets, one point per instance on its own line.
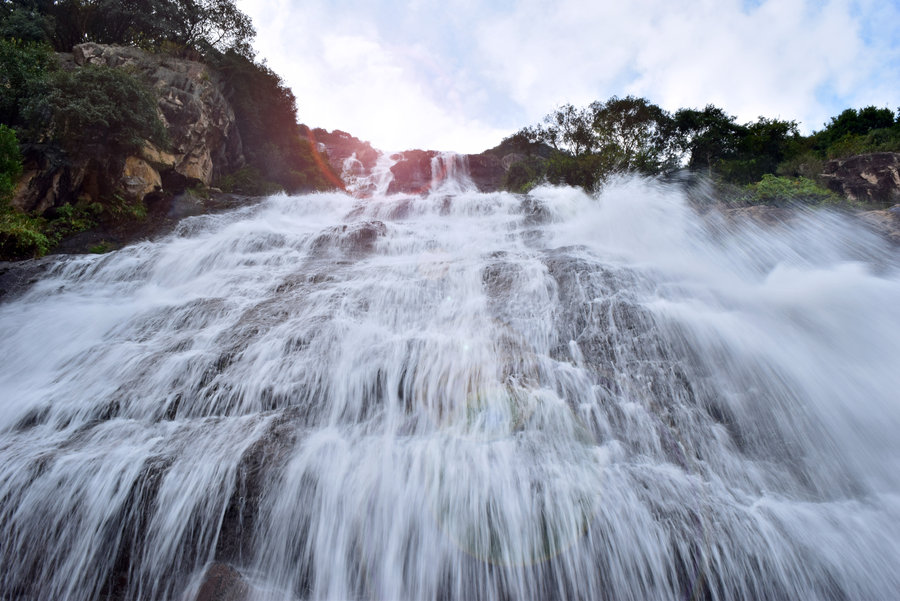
[886, 222]
[873, 177]
[412, 172]
[487, 171]
[340, 146]
[203, 134]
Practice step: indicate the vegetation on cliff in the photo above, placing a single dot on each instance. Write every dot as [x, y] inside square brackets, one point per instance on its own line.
[97, 115]
[586, 145]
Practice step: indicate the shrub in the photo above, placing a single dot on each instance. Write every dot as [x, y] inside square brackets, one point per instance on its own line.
[10, 163]
[521, 177]
[772, 189]
[248, 180]
[98, 111]
[21, 235]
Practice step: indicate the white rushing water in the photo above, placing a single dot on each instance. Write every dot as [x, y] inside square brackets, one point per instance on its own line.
[459, 396]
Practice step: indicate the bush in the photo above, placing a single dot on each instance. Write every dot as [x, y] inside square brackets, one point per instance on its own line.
[21, 236]
[772, 189]
[521, 177]
[809, 165]
[248, 180]
[98, 111]
[10, 163]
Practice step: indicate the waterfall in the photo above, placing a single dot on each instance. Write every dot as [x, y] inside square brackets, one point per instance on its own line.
[373, 184]
[450, 174]
[458, 396]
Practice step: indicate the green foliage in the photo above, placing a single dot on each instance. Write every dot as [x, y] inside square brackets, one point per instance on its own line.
[10, 163]
[249, 181]
[587, 171]
[772, 189]
[21, 236]
[119, 209]
[522, 176]
[198, 24]
[760, 149]
[706, 137]
[100, 248]
[266, 113]
[98, 111]
[634, 134]
[807, 164]
[23, 66]
[71, 219]
[20, 21]
[853, 122]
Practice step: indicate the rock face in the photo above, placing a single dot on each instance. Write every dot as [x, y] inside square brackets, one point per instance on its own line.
[200, 122]
[871, 177]
[412, 172]
[340, 146]
[487, 171]
[886, 222]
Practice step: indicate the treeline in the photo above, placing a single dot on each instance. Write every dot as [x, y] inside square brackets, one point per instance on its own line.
[583, 146]
[54, 116]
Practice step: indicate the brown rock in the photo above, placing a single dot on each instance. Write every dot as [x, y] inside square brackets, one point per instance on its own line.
[139, 179]
[873, 177]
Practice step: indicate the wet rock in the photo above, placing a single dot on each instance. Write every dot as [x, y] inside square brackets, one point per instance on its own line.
[265, 456]
[354, 239]
[763, 214]
[412, 172]
[339, 146]
[886, 222]
[18, 277]
[873, 177]
[223, 583]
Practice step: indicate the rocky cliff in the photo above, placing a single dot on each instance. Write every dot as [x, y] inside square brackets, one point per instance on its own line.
[203, 134]
[873, 177]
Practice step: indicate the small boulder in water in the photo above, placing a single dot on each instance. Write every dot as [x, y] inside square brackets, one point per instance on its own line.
[355, 238]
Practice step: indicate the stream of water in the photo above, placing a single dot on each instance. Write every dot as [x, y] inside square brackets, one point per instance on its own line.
[459, 396]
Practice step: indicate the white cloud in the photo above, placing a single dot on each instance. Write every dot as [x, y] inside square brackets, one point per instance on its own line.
[461, 75]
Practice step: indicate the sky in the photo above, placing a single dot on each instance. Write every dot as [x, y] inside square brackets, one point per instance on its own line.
[462, 74]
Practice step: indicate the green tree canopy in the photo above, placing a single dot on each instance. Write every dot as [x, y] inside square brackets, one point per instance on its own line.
[199, 24]
[635, 133]
[96, 111]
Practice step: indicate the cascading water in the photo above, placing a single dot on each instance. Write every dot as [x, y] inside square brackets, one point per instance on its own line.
[459, 396]
[373, 184]
[450, 174]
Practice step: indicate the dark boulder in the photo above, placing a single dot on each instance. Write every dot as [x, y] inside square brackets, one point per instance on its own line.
[223, 583]
[486, 171]
[873, 177]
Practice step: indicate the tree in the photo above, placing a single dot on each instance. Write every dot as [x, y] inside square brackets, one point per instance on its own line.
[635, 133]
[198, 24]
[22, 67]
[567, 129]
[217, 24]
[761, 148]
[707, 137]
[97, 111]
